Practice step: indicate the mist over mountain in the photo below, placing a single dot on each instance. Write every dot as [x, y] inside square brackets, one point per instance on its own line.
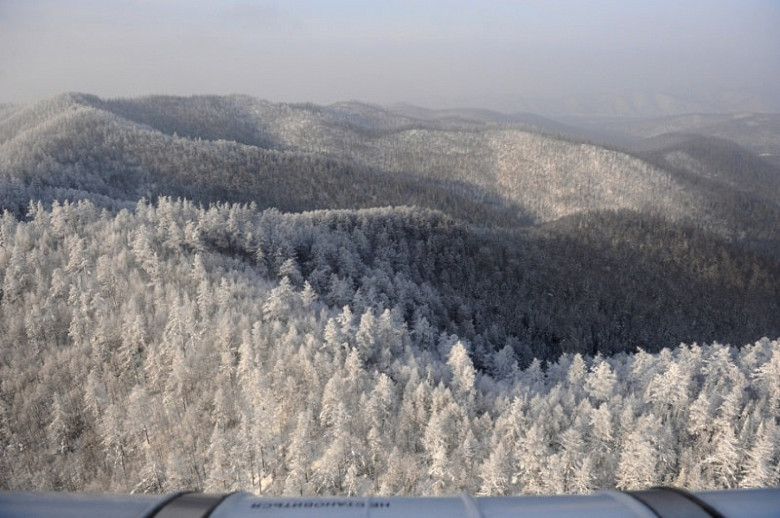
[455, 272]
[754, 131]
[649, 104]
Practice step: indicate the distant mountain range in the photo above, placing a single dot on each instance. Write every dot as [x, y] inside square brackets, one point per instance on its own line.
[641, 104]
[472, 164]
[757, 132]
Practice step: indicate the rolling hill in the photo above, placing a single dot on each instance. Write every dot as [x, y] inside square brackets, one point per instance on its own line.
[352, 155]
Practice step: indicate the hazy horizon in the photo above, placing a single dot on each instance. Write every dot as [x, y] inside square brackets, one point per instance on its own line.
[508, 56]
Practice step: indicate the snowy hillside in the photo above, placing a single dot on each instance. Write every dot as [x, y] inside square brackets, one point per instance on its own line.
[223, 293]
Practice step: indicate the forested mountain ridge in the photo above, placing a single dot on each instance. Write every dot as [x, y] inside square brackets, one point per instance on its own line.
[754, 131]
[458, 296]
[740, 185]
[82, 152]
[596, 203]
[715, 159]
[349, 155]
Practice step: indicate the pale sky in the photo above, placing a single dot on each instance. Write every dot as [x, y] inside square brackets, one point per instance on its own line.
[488, 53]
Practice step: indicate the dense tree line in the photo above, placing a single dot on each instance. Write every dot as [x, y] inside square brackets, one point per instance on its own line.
[182, 347]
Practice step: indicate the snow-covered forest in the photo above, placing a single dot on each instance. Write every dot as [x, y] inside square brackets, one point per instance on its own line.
[227, 294]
